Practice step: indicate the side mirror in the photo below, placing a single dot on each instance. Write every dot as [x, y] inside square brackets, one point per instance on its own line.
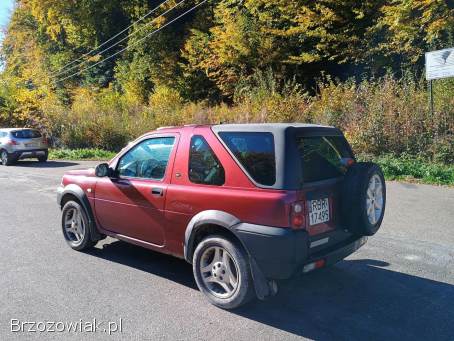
[103, 170]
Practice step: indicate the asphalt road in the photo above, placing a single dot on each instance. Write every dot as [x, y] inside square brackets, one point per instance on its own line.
[399, 286]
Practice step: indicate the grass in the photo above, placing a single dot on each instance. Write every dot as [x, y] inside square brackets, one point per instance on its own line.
[403, 168]
[413, 169]
[81, 154]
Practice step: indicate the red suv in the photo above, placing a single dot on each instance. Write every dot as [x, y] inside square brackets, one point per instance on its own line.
[245, 204]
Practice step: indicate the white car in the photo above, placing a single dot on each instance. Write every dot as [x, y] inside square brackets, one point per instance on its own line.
[22, 143]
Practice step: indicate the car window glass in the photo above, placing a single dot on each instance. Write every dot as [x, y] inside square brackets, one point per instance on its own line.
[255, 152]
[204, 166]
[148, 159]
[26, 134]
[322, 157]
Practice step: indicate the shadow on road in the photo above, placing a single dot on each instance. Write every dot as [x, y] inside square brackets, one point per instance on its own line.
[356, 299]
[48, 164]
[156, 263]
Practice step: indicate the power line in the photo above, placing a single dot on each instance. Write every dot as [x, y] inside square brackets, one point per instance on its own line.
[136, 42]
[62, 70]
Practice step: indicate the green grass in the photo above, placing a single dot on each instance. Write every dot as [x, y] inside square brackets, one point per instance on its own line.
[413, 169]
[80, 154]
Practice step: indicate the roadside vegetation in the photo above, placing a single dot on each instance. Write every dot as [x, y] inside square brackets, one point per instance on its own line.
[411, 169]
[357, 65]
[80, 154]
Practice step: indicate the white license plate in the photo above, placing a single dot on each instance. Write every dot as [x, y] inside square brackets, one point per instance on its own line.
[31, 145]
[318, 211]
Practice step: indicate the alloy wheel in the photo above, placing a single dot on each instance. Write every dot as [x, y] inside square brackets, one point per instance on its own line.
[74, 226]
[219, 272]
[4, 157]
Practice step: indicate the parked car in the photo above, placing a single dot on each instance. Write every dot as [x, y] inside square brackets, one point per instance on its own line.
[22, 143]
[247, 205]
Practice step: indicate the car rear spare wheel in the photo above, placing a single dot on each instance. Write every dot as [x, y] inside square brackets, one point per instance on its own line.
[363, 198]
[222, 272]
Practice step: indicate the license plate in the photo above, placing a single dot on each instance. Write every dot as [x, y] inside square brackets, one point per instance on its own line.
[318, 211]
[31, 145]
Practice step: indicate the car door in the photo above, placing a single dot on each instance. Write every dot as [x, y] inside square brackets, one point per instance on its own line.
[132, 203]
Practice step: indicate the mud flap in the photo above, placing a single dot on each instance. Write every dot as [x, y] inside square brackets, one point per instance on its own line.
[262, 289]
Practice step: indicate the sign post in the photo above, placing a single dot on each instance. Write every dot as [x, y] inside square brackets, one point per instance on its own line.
[439, 64]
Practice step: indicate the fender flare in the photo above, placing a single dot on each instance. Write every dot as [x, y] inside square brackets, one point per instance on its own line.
[79, 193]
[227, 221]
[209, 217]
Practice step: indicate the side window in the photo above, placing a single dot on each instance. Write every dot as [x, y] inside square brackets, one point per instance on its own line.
[148, 159]
[255, 152]
[322, 157]
[204, 166]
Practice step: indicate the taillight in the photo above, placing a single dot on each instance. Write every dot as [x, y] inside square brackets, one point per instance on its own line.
[12, 143]
[44, 140]
[315, 265]
[347, 162]
[297, 215]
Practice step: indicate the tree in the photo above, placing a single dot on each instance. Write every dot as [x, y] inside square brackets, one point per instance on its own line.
[294, 38]
[408, 28]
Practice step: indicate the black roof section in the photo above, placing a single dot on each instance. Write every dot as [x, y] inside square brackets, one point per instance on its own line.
[288, 172]
[275, 127]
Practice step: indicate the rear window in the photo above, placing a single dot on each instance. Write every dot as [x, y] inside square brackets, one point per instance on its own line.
[255, 152]
[26, 134]
[323, 157]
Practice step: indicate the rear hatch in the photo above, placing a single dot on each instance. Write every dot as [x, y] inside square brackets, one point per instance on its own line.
[323, 161]
[28, 139]
[308, 162]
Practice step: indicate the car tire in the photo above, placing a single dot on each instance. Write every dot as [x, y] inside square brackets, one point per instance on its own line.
[76, 226]
[6, 158]
[363, 198]
[43, 158]
[224, 276]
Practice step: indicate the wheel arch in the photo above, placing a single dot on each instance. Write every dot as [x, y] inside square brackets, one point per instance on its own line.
[218, 222]
[73, 191]
[206, 223]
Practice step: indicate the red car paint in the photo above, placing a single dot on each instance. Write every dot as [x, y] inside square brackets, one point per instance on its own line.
[126, 208]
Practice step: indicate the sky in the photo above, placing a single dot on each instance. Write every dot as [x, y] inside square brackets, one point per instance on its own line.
[6, 7]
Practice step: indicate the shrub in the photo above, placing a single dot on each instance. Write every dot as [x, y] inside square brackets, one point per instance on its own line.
[80, 154]
[413, 168]
[378, 116]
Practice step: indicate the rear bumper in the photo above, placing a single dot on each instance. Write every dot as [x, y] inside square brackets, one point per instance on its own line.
[29, 153]
[282, 253]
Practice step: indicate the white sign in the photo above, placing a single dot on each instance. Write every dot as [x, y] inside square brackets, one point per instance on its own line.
[440, 64]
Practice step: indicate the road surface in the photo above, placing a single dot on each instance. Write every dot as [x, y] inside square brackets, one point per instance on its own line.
[399, 286]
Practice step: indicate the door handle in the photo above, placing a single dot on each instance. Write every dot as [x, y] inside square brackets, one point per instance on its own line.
[157, 192]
